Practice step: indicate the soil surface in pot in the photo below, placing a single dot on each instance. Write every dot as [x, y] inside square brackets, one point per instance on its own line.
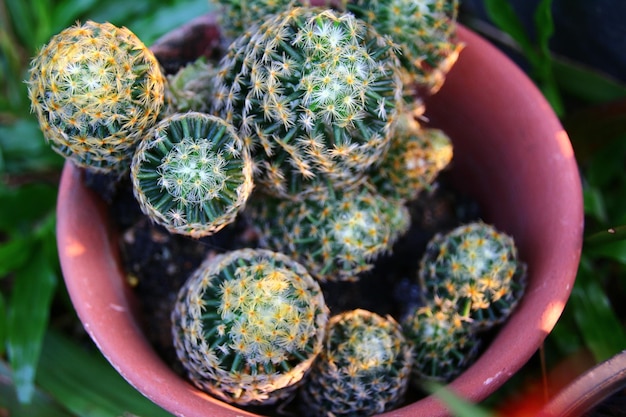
[157, 263]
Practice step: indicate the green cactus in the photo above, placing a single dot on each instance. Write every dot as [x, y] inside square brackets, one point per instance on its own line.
[476, 267]
[96, 89]
[247, 326]
[444, 341]
[236, 16]
[190, 88]
[315, 94]
[424, 31]
[416, 156]
[192, 175]
[363, 370]
[337, 237]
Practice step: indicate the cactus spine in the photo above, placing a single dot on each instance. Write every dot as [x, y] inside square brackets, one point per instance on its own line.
[363, 370]
[192, 175]
[248, 324]
[315, 94]
[96, 89]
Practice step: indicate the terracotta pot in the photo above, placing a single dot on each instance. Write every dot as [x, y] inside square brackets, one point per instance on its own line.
[511, 153]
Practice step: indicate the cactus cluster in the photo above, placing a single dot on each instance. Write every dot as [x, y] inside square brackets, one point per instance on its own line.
[248, 324]
[307, 108]
[476, 267]
[471, 280]
[96, 89]
[363, 369]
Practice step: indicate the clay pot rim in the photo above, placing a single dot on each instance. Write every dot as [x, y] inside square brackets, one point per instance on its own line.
[104, 302]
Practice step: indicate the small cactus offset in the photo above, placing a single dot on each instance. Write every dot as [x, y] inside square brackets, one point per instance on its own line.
[476, 267]
[247, 326]
[315, 93]
[96, 90]
[416, 157]
[190, 88]
[444, 342]
[424, 30]
[363, 370]
[192, 175]
[337, 237]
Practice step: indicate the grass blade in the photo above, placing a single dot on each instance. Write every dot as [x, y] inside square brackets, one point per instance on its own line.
[85, 383]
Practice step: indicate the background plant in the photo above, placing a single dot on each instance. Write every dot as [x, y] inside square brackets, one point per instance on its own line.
[40, 337]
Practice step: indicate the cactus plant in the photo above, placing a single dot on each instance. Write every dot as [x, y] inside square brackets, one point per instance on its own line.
[315, 93]
[363, 370]
[424, 30]
[476, 267]
[190, 88]
[192, 175]
[444, 342]
[96, 89]
[337, 237]
[416, 157]
[248, 324]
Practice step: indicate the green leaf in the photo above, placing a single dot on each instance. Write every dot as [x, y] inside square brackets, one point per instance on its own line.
[457, 405]
[21, 208]
[85, 383]
[593, 199]
[595, 316]
[544, 26]
[24, 148]
[586, 83]
[40, 406]
[611, 235]
[503, 15]
[613, 250]
[13, 254]
[3, 325]
[27, 319]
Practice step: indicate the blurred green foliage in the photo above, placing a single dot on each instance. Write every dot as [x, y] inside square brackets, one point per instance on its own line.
[37, 344]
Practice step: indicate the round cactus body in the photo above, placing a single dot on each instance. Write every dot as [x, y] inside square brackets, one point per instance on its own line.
[247, 326]
[316, 95]
[192, 175]
[96, 89]
[444, 342]
[363, 370]
[424, 31]
[336, 237]
[416, 157]
[476, 267]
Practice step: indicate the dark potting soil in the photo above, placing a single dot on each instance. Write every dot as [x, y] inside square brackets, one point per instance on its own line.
[157, 263]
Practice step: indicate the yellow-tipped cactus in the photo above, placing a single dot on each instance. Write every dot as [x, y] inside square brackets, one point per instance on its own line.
[337, 237]
[416, 157]
[247, 326]
[363, 370]
[192, 175]
[315, 93]
[424, 31]
[96, 89]
[477, 268]
[444, 341]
